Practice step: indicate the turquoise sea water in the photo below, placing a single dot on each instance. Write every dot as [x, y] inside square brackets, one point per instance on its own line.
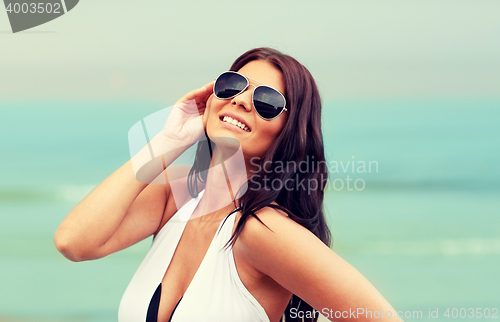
[425, 229]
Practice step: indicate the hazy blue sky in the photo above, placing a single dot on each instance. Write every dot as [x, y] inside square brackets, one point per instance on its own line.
[157, 50]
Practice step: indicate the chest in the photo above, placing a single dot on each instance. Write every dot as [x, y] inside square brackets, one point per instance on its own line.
[189, 254]
[198, 277]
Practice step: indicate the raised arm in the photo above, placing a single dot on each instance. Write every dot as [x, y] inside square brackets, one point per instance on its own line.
[122, 210]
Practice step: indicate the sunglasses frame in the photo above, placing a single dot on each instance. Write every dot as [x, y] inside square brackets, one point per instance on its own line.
[244, 89]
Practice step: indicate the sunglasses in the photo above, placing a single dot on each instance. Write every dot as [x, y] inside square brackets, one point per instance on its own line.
[268, 102]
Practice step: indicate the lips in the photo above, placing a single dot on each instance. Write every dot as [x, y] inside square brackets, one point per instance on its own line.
[235, 122]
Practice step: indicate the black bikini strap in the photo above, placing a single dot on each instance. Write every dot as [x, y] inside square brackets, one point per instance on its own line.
[154, 304]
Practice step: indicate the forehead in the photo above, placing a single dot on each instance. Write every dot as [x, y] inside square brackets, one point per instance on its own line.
[265, 73]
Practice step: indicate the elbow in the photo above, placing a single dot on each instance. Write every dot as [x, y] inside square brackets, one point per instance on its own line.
[70, 249]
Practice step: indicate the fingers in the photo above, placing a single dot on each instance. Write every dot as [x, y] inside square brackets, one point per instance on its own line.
[209, 86]
[200, 95]
[205, 93]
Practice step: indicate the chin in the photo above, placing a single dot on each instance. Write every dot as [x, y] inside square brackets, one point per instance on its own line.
[226, 144]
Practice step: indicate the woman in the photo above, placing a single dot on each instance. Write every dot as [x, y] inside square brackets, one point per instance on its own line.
[256, 245]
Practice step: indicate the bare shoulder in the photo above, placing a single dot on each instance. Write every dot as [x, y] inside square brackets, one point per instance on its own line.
[273, 239]
[271, 221]
[274, 224]
[301, 263]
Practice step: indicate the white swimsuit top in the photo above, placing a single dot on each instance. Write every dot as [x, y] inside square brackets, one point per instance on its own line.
[216, 292]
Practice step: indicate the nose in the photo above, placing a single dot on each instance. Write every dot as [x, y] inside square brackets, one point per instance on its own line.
[244, 99]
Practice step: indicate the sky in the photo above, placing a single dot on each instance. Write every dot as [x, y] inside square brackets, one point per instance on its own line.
[159, 50]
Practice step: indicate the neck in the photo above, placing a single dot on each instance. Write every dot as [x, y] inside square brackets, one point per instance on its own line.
[227, 173]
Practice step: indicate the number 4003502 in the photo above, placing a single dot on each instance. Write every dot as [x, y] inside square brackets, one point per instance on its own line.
[40, 7]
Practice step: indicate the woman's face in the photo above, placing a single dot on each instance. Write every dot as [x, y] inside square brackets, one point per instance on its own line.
[262, 133]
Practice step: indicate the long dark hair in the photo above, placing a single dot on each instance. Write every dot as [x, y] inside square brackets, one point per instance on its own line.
[300, 140]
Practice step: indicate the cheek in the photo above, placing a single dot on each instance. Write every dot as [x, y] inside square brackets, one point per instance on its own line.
[273, 129]
[266, 138]
[213, 105]
[212, 108]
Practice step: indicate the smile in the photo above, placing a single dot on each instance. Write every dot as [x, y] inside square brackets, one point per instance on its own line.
[230, 120]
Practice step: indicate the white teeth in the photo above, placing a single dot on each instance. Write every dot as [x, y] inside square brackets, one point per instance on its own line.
[230, 120]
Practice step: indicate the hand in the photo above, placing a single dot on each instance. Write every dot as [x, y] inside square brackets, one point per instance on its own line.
[187, 121]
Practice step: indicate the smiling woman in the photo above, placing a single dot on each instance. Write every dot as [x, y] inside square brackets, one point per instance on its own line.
[223, 248]
[241, 108]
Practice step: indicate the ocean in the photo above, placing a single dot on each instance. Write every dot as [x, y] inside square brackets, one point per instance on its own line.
[413, 202]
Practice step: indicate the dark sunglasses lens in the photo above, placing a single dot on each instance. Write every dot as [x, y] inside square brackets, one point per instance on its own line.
[268, 102]
[229, 85]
